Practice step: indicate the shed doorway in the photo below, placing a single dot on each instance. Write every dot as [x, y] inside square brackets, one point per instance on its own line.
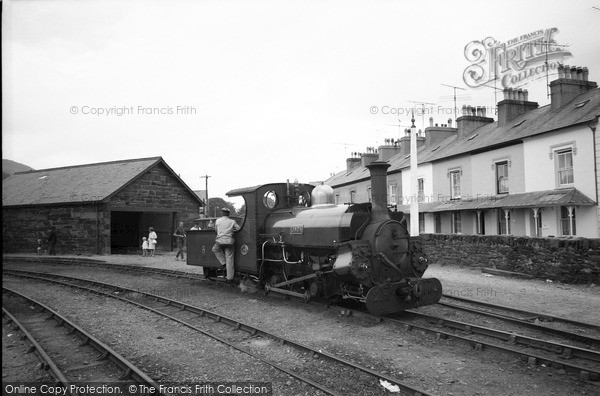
[127, 228]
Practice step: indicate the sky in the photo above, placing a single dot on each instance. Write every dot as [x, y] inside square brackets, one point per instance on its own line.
[254, 92]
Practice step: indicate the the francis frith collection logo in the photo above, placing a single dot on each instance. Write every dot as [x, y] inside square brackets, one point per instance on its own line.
[515, 62]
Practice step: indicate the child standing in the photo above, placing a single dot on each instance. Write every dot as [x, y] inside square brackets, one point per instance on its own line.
[144, 246]
[152, 237]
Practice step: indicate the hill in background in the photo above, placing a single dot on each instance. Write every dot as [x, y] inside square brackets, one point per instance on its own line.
[9, 167]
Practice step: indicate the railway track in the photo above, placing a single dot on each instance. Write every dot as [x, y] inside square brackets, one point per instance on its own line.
[527, 316]
[575, 330]
[280, 352]
[582, 360]
[78, 362]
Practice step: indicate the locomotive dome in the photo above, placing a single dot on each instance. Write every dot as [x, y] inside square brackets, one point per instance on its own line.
[322, 195]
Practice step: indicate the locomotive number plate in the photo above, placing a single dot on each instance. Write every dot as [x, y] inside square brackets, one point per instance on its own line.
[297, 230]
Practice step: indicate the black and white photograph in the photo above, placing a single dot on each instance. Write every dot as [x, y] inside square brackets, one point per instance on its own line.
[300, 197]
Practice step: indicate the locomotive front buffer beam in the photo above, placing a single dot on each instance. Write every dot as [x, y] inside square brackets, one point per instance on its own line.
[395, 297]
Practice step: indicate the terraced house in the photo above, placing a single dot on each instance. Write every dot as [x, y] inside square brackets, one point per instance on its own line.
[531, 172]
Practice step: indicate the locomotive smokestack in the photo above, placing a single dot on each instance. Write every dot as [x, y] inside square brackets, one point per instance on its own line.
[379, 208]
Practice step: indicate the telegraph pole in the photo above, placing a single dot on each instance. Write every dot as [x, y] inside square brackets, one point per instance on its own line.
[206, 213]
[414, 205]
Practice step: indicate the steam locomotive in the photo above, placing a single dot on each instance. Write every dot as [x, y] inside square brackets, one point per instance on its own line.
[295, 241]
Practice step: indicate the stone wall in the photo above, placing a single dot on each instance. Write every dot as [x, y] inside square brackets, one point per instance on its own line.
[571, 260]
[76, 228]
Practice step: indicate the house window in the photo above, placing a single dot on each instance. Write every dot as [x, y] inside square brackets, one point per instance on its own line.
[421, 190]
[568, 222]
[455, 184]
[421, 222]
[503, 224]
[352, 196]
[392, 194]
[438, 223]
[369, 194]
[564, 163]
[456, 219]
[502, 177]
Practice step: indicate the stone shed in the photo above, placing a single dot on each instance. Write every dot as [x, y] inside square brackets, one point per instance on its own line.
[97, 208]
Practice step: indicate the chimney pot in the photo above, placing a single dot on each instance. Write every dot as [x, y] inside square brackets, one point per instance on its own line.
[525, 95]
[450, 122]
[478, 109]
[483, 111]
[464, 110]
[430, 121]
[580, 73]
[586, 73]
[573, 73]
[561, 71]
[436, 125]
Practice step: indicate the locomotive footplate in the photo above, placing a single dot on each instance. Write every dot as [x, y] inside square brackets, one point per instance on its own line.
[396, 297]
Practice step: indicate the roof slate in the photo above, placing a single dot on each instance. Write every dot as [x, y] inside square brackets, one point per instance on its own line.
[534, 122]
[81, 184]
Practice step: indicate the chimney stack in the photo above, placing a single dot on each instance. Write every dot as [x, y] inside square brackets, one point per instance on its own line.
[353, 162]
[435, 134]
[391, 148]
[472, 118]
[370, 156]
[405, 141]
[571, 82]
[515, 103]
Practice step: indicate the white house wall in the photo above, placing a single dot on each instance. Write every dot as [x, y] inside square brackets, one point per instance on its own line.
[484, 170]
[540, 170]
[441, 180]
[425, 172]
[540, 174]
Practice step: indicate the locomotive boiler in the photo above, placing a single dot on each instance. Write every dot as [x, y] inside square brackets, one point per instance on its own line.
[295, 241]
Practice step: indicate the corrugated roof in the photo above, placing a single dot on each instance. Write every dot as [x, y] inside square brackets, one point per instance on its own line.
[82, 183]
[534, 122]
[535, 199]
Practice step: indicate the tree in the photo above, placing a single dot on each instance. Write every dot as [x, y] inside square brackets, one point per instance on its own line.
[216, 204]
